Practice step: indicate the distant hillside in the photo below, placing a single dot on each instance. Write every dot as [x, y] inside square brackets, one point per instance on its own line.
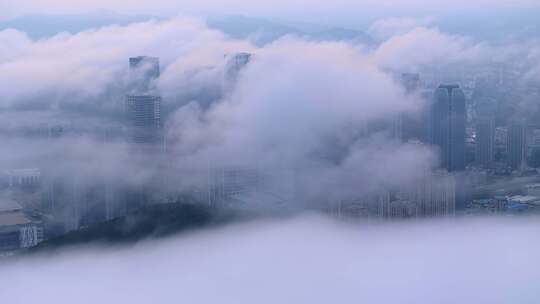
[263, 31]
[40, 26]
[260, 31]
[149, 222]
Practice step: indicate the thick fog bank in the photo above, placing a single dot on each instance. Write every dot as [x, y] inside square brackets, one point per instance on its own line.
[303, 260]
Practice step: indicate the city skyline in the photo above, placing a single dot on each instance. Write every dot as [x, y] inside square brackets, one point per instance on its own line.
[269, 151]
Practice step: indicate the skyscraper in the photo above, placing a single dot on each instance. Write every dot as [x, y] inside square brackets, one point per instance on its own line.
[143, 71]
[435, 194]
[412, 125]
[447, 126]
[410, 81]
[485, 141]
[235, 63]
[516, 145]
[143, 104]
[144, 118]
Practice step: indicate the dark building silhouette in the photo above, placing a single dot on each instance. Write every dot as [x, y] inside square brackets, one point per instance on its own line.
[412, 126]
[143, 104]
[485, 141]
[410, 81]
[516, 145]
[144, 118]
[235, 63]
[143, 72]
[447, 126]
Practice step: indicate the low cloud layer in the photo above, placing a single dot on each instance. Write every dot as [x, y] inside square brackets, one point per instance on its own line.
[301, 105]
[302, 260]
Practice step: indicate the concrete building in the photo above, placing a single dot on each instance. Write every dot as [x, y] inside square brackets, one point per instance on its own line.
[399, 209]
[516, 145]
[226, 183]
[447, 126]
[435, 194]
[234, 65]
[143, 115]
[143, 104]
[143, 71]
[412, 125]
[410, 81]
[485, 141]
[533, 189]
[22, 177]
[17, 231]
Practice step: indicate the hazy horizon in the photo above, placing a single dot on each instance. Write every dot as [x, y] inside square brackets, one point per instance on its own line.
[388, 151]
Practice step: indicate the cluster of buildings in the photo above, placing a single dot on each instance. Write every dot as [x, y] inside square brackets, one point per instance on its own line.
[45, 202]
[486, 159]
[17, 229]
[476, 154]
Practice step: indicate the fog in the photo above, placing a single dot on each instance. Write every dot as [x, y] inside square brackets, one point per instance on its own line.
[319, 117]
[307, 259]
[300, 104]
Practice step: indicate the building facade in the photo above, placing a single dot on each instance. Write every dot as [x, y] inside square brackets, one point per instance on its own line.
[516, 145]
[17, 231]
[143, 104]
[447, 126]
[485, 141]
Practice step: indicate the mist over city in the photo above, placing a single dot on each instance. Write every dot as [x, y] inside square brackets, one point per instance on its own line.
[273, 152]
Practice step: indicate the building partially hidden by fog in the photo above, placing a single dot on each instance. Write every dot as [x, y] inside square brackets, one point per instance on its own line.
[143, 103]
[17, 231]
[143, 71]
[447, 126]
[410, 81]
[485, 141]
[144, 118]
[413, 125]
[234, 64]
[21, 178]
[435, 194]
[516, 145]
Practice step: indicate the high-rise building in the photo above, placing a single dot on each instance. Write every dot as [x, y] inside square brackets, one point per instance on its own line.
[398, 209]
[17, 231]
[435, 194]
[485, 141]
[235, 63]
[143, 71]
[447, 126]
[411, 81]
[412, 125]
[144, 118]
[143, 107]
[516, 145]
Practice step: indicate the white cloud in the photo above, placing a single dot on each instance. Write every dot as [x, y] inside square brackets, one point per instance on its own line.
[303, 260]
[422, 46]
[86, 63]
[384, 29]
[297, 104]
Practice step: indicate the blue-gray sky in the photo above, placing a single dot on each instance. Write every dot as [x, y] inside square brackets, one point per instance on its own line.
[346, 11]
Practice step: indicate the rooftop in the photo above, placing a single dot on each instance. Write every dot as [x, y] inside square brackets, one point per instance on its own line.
[23, 172]
[13, 219]
[525, 199]
[9, 205]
